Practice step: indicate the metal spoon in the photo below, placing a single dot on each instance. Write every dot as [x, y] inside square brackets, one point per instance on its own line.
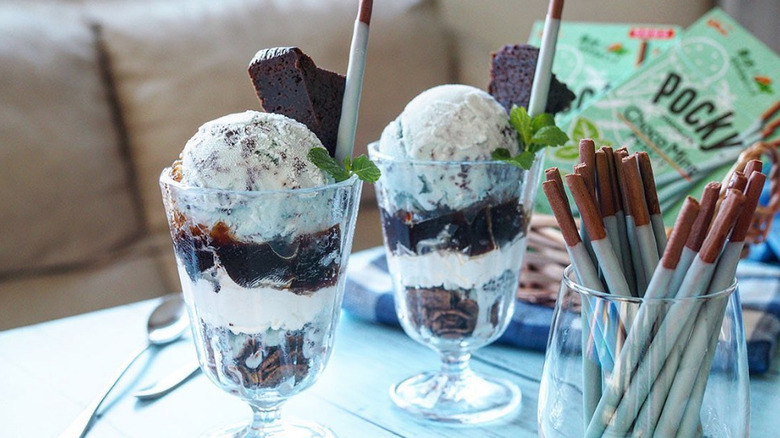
[168, 383]
[166, 324]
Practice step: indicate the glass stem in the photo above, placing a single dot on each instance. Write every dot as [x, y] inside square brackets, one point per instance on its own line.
[266, 421]
[455, 365]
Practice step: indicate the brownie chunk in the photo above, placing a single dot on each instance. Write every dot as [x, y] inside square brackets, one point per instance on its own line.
[447, 314]
[248, 361]
[512, 73]
[287, 82]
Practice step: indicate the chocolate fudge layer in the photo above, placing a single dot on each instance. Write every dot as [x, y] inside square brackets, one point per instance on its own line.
[472, 231]
[304, 265]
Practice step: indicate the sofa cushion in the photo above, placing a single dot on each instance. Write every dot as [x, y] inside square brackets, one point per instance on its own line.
[178, 64]
[65, 196]
[132, 276]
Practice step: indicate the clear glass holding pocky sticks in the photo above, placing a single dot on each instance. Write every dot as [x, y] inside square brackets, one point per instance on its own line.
[659, 355]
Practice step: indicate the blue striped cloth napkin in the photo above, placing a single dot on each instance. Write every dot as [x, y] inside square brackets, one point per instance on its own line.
[369, 296]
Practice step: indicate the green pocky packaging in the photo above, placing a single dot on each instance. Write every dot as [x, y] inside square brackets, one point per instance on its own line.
[592, 57]
[693, 109]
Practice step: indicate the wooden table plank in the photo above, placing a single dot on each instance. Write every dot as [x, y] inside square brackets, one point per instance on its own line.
[376, 357]
[51, 371]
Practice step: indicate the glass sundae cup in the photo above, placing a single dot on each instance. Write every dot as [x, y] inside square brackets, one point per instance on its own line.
[262, 274]
[455, 236]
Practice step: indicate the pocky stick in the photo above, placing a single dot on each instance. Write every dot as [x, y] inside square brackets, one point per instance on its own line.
[630, 245]
[588, 157]
[670, 263]
[639, 336]
[607, 202]
[670, 329]
[651, 196]
[620, 219]
[709, 200]
[586, 167]
[602, 248]
[710, 317]
[587, 275]
[644, 238]
[621, 416]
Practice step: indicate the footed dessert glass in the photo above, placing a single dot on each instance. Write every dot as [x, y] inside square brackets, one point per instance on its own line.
[690, 379]
[455, 236]
[262, 274]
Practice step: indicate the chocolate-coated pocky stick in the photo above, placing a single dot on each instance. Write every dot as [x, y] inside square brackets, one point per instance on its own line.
[602, 248]
[584, 266]
[651, 196]
[710, 317]
[620, 218]
[588, 157]
[607, 202]
[640, 334]
[621, 416]
[587, 275]
[709, 200]
[639, 220]
[632, 246]
[752, 166]
[586, 167]
[659, 287]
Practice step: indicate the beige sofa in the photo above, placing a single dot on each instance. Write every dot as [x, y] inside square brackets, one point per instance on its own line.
[98, 96]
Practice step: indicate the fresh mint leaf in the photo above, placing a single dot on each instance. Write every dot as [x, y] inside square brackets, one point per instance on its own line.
[501, 154]
[521, 121]
[549, 136]
[524, 160]
[534, 134]
[541, 120]
[322, 159]
[365, 169]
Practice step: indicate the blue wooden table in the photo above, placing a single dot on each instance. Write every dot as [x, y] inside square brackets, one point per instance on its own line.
[49, 372]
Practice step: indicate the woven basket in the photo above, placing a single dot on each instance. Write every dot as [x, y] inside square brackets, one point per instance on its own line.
[546, 258]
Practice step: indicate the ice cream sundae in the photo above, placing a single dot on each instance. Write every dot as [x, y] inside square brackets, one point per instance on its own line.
[261, 234]
[453, 224]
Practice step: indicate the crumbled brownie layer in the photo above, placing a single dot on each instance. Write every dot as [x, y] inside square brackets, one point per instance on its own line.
[472, 231]
[288, 83]
[512, 73]
[447, 314]
[307, 264]
[248, 362]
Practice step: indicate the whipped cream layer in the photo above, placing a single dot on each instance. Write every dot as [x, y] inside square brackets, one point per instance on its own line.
[253, 310]
[454, 270]
[489, 279]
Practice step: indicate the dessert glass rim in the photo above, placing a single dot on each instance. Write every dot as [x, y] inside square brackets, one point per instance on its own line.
[374, 153]
[165, 178]
[568, 273]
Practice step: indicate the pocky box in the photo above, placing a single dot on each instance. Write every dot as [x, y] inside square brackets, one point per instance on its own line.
[590, 58]
[693, 109]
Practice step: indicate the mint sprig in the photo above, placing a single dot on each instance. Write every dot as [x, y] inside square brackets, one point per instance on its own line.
[534, 134]
[361, 166]
[364, 168]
